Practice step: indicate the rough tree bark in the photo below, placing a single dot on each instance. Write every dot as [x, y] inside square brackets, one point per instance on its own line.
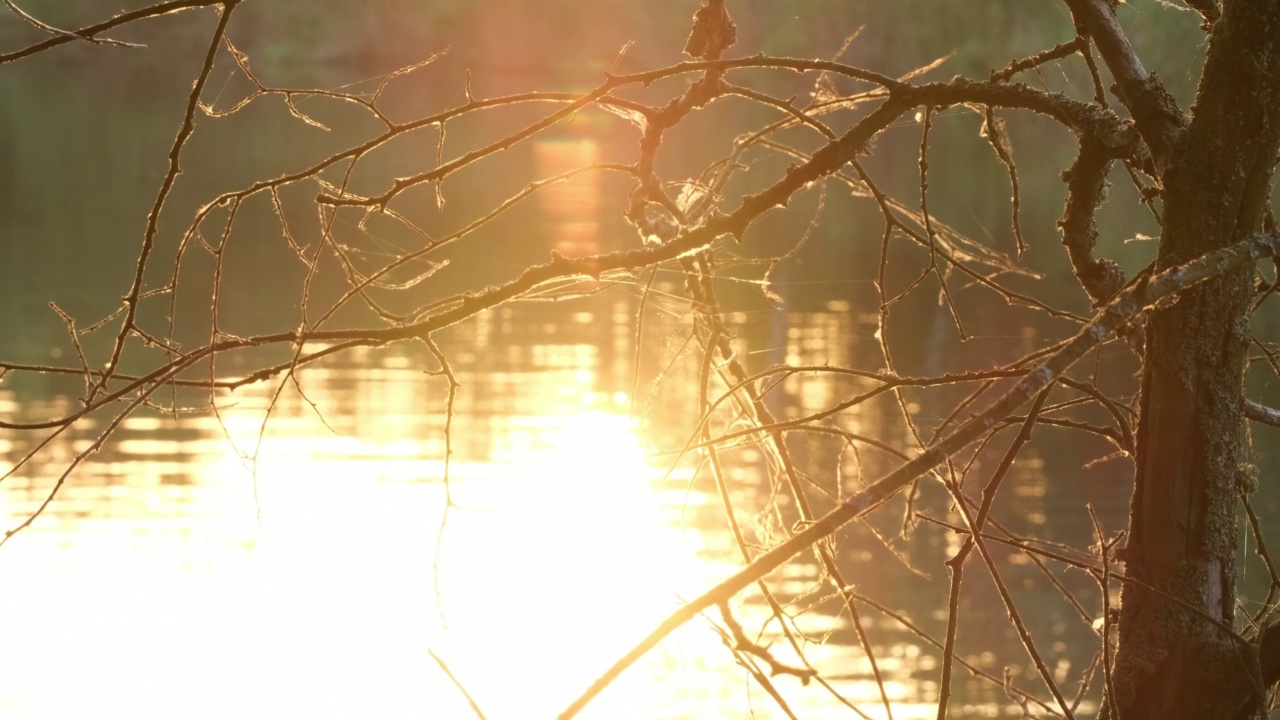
[1178, 659]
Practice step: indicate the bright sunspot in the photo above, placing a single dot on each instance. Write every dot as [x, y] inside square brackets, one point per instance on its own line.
[555, 565]
[557, 557]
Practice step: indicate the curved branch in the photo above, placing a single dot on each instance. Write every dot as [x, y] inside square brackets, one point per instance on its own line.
[1086, 190]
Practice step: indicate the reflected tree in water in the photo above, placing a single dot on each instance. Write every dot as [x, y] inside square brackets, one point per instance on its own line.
[368, 235]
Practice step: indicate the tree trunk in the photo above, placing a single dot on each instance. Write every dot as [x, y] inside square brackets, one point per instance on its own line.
[1172, 662]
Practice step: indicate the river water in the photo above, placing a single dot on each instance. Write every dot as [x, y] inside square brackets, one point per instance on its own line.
[202, 566]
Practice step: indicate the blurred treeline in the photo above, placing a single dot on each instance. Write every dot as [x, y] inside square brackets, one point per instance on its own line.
[86, 129]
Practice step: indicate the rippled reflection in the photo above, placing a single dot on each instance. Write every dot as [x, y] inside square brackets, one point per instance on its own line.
[201, 566]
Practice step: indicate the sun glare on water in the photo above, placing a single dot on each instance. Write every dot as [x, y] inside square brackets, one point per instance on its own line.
[554, 570]
[557, 556]
[315, 581]
[307, 588]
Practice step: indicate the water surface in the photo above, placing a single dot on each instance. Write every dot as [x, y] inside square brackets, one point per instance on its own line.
[200, 566]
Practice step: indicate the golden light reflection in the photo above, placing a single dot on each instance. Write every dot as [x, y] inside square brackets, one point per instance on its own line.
[174, 579]
[316, 598]
[570, 208]
[555, 568]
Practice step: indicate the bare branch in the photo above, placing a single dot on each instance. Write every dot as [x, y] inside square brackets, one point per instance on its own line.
[1154, 110]
[91, 32]
[1116, 314]
[153, 218]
